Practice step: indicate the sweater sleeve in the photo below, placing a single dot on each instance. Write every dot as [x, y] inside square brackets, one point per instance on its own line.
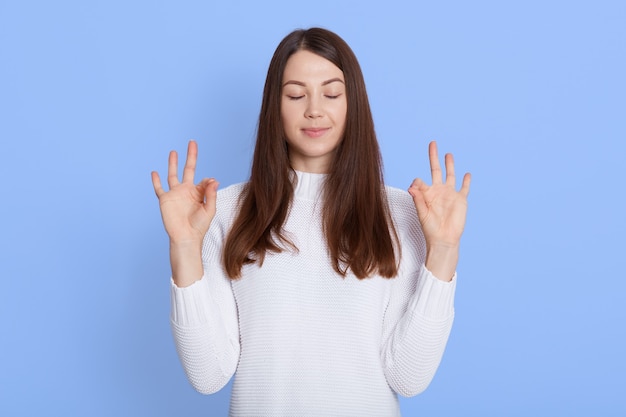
[419, 314]
[204, 320]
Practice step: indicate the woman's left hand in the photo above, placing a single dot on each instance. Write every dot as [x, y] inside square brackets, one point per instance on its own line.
[440, 208]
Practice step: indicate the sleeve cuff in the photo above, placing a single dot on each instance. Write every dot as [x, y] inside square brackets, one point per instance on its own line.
[191, 305]
[433, 297]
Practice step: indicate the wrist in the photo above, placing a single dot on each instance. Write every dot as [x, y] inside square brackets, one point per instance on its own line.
[185, 245]
[442, 248]
[186, 262]
[441, 260]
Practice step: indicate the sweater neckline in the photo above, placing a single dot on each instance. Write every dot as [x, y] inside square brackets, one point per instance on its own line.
[308, 185]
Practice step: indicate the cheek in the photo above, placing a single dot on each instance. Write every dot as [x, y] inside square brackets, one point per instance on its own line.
[340, 110]
[342, 115]
[284, 120]
[287, 114]
[287, 123]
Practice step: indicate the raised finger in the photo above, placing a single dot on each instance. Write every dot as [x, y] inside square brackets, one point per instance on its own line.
[435, 168]
[450, 180]
[465, 187]
[156, 183]
[172, 170]
[190, 164]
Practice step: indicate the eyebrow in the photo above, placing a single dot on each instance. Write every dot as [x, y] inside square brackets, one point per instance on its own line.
[300, 83]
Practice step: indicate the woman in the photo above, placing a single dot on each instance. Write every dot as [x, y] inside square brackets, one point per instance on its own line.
[325, 292]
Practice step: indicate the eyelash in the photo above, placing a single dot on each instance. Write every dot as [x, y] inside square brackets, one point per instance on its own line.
[294, 98]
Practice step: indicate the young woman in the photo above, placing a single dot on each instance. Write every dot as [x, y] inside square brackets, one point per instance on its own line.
[324, 291]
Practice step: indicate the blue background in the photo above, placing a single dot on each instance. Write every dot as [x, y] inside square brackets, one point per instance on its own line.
[529, 95]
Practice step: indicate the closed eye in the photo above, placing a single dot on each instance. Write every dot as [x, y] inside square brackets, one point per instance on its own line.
[294, 97]
[332, 97]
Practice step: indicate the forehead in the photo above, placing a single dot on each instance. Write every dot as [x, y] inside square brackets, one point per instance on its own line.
[307, 67]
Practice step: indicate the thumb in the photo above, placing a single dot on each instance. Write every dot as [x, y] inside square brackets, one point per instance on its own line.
[210, 194]
[416, 191]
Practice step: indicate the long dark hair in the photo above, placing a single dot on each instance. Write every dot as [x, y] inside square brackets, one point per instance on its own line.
[359, 231]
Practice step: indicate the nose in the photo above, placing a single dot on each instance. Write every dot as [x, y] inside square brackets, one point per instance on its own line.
[313, 109]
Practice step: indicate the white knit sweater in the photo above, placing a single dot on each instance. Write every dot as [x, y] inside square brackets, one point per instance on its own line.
[302, 340]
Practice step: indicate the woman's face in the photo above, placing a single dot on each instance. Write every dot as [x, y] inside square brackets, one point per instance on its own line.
[313, 110]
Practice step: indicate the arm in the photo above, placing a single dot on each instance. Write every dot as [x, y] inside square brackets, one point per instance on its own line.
[419, 314]
[204, 317]
[420, 311]
[204, 321]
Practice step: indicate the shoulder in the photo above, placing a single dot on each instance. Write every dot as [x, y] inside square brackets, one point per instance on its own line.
[228, 197]
[401, 205]
[408, 228]
[227, 208]
[227, 205]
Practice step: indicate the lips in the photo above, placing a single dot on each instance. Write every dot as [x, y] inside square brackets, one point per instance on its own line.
[315, 132]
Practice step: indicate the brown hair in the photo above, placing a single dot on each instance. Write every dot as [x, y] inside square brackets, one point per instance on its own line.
[356, 220]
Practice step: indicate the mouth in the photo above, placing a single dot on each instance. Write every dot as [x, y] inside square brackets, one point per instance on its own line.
[315, 132]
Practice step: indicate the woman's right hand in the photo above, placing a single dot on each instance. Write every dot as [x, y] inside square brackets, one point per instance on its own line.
[186, 209]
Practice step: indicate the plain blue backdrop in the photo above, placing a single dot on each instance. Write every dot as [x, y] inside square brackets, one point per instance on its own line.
[529, 95]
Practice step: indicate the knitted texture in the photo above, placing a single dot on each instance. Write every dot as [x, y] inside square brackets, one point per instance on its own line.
[300, 339]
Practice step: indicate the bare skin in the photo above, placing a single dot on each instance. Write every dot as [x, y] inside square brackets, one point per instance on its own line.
[442, 212]
[187, 210]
